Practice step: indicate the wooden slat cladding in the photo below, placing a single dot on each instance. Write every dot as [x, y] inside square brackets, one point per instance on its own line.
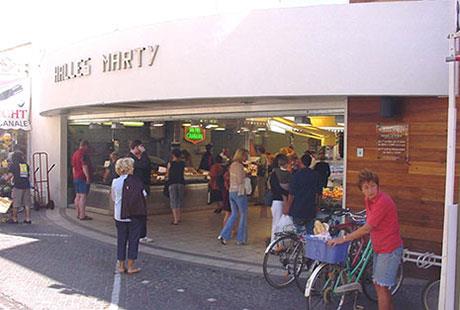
[416, 185]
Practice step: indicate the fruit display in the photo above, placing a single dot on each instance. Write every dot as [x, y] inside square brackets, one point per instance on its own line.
[333, 194]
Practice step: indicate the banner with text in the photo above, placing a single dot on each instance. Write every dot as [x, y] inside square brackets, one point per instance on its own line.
[15, 105]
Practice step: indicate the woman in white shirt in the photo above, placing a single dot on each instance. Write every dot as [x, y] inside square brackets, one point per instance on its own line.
[128, 230]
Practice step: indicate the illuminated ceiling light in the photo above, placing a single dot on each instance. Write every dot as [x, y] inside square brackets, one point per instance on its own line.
[81, 123]
[158, 124]
[132, 124]
[262, 129]
[209, 126]
[220, 129]
[186, 124]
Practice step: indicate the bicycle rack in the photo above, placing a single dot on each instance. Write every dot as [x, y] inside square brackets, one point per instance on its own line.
[422, 260]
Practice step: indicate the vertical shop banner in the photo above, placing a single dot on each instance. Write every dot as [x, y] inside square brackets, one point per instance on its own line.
[15, 105]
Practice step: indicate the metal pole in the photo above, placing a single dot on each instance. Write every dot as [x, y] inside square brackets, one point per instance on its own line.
[449, 244]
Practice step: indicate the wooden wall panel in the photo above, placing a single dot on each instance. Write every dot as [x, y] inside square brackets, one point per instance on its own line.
[416, 185]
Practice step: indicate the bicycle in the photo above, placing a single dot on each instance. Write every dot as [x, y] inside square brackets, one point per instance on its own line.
[284, 260]
[333, 217]
[430, 294]
[329, 284]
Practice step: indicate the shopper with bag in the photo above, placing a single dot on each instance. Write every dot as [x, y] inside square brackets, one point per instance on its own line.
[238, 191]
[130, 208]
[279, 191]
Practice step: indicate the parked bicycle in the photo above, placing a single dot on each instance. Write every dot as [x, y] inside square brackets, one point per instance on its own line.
[430, 294]
[284, 260]
[330, 283]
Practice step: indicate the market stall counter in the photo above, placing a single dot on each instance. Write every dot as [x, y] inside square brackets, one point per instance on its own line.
[196, 196]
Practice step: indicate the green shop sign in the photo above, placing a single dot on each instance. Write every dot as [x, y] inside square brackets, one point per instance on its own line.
[194, 135]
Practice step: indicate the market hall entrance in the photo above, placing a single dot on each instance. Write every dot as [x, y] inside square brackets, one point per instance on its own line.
[321, 133]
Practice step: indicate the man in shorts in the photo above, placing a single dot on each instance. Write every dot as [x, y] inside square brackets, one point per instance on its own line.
[383, 226]
[81, 171]
[19, 171]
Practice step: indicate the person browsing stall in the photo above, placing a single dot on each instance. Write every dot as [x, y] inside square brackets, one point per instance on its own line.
[142, 169]
[303, 191]
[238, 200]
[176, 185]
[81, 171]
[383, 226]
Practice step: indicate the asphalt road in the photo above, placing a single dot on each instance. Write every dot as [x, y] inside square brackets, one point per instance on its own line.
[43, 266]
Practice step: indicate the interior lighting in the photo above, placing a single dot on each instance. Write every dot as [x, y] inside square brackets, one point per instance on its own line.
[158, 124]
[262, 129]
[186, 124]
[209, 126]
[132, 124]
[81, 123]
[220, 129]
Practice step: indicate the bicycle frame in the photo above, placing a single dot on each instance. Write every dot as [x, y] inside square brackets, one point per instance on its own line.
[343, 277]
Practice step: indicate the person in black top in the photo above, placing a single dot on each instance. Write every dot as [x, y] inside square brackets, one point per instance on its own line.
[207, 160]
[279, 189]
[19, 171]
[142, 164]
[176, 183]
[303, 191]
[142, 169]
[323, 170]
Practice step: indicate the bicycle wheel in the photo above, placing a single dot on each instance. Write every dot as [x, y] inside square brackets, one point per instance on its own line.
[430, 296]
[321, 295]
[303, 268]
[279, 258]
[368, 283]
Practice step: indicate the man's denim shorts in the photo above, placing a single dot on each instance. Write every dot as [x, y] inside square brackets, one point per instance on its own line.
[81, 187]
[385, 267]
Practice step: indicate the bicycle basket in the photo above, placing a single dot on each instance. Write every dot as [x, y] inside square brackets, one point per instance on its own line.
[317, 249]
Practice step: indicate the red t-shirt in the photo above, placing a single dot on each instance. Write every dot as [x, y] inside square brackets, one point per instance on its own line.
[383, 217]
[79, 159]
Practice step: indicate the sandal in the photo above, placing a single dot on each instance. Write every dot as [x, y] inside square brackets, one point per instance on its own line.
[10, 221]
[86, 218]
[133, 271]
[27, 222]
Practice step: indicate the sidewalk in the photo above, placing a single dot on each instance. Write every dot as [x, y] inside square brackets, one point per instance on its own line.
[194, 240]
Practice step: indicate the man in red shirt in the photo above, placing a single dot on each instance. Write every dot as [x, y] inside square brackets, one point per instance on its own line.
[383, 226]
[81, 171]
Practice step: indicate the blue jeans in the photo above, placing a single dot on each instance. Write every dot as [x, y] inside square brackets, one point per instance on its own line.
[128, 234]
[239, 205]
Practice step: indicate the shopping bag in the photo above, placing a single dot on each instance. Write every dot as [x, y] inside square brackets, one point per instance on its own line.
[5, 204]
[285, 223]
[247, 186]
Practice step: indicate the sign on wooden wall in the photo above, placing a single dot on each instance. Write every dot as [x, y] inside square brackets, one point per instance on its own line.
[393, 142]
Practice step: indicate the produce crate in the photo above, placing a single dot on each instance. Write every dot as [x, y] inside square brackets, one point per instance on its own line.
[318, 249]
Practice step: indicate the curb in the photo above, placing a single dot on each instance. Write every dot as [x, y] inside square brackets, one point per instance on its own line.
[60, 218]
